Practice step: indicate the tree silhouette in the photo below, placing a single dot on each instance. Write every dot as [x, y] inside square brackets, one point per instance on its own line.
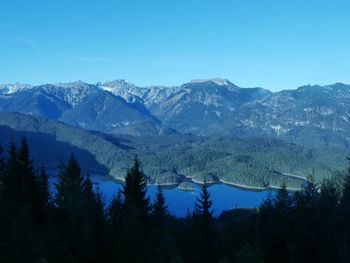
[160, 209]
[136, 221]
[203, 223]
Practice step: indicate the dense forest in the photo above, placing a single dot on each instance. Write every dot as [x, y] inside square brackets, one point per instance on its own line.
[252, 162]
[75, 225]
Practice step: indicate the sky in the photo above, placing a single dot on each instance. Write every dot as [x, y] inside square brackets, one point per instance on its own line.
[272, 44]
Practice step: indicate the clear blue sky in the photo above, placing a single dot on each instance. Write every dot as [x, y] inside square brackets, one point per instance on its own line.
[275, 44]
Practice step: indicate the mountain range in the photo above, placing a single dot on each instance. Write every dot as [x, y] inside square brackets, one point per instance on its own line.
[310, 115]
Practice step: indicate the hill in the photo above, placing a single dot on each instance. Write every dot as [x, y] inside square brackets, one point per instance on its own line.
[171, 159]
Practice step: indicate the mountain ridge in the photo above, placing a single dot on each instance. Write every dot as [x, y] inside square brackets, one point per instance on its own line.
[310, 115]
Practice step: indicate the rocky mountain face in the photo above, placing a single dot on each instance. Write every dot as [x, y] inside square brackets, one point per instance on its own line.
[83, 105]
[192, 107]
[309, 115]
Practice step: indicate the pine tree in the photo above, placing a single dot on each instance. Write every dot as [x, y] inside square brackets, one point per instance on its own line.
[20, 193]
[273, 226]
[44, 187]
[70, 185]
[27, 169]
[134, 190]
[136, 222]
[304, 222]
[203, 204]
[115, 215]
[160, 209]
[328, 223]
[92, 223]
[203, 224]
[115, 211]
[283, 201]
[69, 211]
[11, 179]
[160, 244]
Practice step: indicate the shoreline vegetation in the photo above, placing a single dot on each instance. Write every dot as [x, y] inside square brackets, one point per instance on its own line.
[223, 181]
[75, 224]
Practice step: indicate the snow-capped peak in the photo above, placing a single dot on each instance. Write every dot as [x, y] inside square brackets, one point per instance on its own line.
[217, 81]
[13, 88]
[115, 85]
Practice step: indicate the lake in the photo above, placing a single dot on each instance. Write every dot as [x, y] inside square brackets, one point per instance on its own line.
[179, 202]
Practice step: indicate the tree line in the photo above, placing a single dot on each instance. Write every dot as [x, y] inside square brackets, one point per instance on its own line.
[74, 224]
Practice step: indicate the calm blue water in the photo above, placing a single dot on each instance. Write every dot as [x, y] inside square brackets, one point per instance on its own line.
[179, 202]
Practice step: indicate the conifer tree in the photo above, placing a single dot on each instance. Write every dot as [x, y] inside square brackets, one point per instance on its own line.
[11, 179]
[115, 211]
[70, 185]
[136, 222]
[44, 187]
[30, 184]
[92, 223]
[134, 189]
[328, 223]
[203, 204]
[115, 215]
[274, 225]
[203, 224]
[283, 201]
[27, 169]
[160, 209]
[20, 195]
[304, 222]
[69, 211]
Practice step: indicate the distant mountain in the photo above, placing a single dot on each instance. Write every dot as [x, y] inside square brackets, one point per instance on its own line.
[310, 115]
[192, 107]
[83, 105]
[12, 88]
[316, 116]
[172, 159]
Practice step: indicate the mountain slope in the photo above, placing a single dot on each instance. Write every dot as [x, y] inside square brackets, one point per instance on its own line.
[81, 105]
[192, 107]
[171, 159]
[310, 115]
[316, 116]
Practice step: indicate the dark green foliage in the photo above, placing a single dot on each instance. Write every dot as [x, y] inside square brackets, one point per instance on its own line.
[274, 227]
[115, 210]
[44, 187]
[70, 185]
[306, 226]
[257, 162]
[203, 205]
[22, 217]
[134, 190]
[160, 209]
[203, 225]
[136, 218]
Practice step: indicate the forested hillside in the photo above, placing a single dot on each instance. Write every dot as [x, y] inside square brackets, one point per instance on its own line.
[172, 159]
